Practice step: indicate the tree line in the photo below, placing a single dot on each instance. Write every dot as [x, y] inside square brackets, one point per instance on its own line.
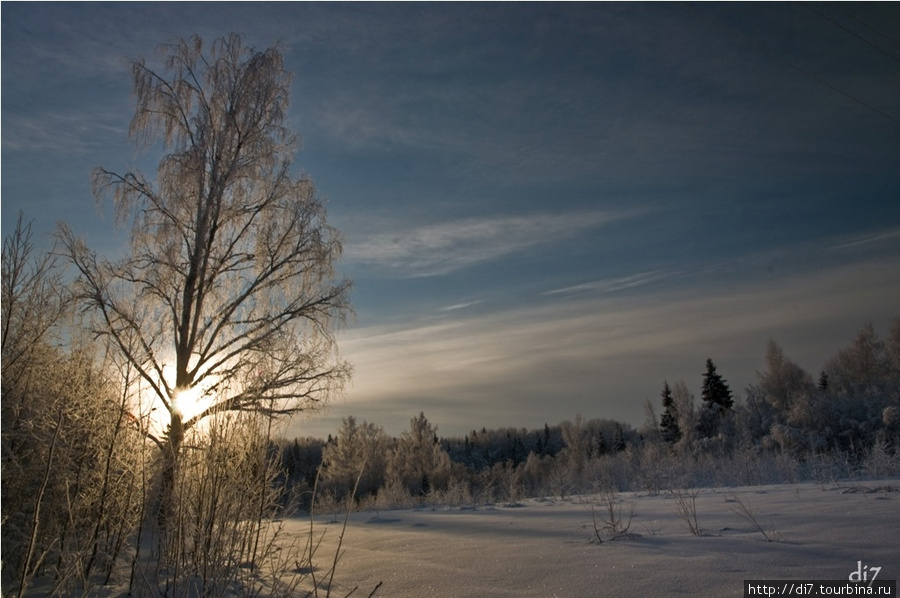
[787, 425]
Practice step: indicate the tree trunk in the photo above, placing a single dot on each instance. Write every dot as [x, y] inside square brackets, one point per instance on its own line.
[171, 454]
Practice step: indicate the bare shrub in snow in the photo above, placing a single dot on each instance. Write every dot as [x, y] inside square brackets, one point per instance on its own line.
[686, 507]
[605, 509]
[743, 508]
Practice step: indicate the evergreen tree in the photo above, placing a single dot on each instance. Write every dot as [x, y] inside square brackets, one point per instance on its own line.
[823, 382]
[619, 439]
[717, 401]
[715, 389]
[602, 449]
[668, 424]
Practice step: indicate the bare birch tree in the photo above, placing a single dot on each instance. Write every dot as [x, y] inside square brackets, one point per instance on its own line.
[229, 282]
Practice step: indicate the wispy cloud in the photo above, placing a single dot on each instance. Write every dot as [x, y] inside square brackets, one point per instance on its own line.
[890, 235]
[611, 285]
[459, 306]
[437, 249]
[68, 132]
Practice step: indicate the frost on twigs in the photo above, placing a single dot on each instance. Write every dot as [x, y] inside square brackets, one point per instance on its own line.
[227, 299]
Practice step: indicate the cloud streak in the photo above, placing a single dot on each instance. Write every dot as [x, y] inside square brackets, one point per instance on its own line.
[438, 249]
[50, 132]
[862, 241]
[463, 305]
[612, 285]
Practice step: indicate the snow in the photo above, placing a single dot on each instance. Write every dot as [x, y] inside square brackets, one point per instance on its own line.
[546, 547]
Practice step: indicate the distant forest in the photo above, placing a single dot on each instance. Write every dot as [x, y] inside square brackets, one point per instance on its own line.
[790, 425]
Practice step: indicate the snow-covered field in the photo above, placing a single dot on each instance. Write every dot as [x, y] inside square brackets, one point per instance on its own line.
[547, 547]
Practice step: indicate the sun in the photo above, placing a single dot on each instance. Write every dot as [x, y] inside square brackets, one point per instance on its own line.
[187, 402]
[190, 402]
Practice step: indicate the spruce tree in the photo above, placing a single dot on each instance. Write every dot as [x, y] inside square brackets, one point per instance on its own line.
[717, 400]
[619, 439]
[668, 424]
[715, 389]
[823, 382]
[602, 449]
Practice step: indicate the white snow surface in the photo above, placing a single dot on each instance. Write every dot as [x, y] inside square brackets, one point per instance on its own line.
[544, 547]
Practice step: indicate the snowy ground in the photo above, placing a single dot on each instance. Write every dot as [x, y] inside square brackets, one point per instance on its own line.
[544, 547]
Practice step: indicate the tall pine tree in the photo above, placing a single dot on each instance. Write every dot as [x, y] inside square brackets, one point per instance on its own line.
[668, 424]
[717, 401]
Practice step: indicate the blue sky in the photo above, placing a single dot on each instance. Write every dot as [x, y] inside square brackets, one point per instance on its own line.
[548, 209]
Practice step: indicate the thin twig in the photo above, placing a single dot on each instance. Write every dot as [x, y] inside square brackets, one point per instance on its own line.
[337, 552]
[744, 510]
